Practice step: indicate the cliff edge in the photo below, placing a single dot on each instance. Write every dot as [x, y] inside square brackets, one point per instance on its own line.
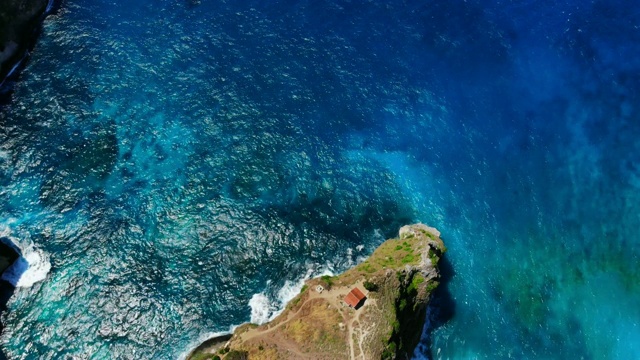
[375, 310]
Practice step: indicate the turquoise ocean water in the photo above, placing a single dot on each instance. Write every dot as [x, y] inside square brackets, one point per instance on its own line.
[174, 168]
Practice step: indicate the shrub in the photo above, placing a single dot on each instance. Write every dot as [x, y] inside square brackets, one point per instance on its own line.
[328, 280]
[237, 355]
[432, 286]
[402, 305]
[370, 286]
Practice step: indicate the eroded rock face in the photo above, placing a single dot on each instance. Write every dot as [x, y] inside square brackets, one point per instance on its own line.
[19, 20]
[398, 280]
[8, 254]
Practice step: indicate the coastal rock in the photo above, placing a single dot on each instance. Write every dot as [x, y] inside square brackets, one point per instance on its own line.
[375, 310]
[19, 20]
[9, 253]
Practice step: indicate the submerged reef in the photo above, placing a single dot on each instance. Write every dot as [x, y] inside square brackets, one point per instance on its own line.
[375, 310]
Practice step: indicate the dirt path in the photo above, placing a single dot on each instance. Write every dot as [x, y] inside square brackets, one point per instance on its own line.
[334, 298]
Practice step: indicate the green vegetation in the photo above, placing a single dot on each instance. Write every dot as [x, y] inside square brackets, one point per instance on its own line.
[204, 356]
[415, 282]
[390, 255]
[432, 286]
[370, 286]
[433, 257]
[389, 351]
[237, 355]
[428, 234]
[393, 275]
[402, 305]
[396, 326]
[328, 280]
[408, 259]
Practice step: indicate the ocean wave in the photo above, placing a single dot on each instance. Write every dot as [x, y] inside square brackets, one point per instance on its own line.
[265, 308]
[31, 267]
[38, 266]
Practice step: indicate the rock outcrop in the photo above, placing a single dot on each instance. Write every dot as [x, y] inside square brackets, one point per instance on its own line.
[397, 280]
[19, 21]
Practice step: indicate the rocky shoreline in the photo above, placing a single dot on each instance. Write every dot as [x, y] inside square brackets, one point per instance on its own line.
[19, 24]
[383, 320]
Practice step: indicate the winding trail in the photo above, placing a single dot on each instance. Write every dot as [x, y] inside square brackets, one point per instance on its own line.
[351, 319]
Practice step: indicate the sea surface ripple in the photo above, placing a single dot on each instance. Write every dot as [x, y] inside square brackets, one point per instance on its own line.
[176, 161]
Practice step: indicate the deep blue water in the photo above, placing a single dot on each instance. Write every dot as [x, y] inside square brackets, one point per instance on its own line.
[172, 159]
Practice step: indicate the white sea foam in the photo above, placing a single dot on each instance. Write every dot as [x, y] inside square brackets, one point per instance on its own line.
[264, 309]
[261, 308]
[32, 267]
[38, 267]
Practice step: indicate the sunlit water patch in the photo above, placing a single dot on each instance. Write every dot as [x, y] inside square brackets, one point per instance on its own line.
[182, 166]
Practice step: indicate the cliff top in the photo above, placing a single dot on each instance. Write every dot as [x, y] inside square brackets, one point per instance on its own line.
[397, 280]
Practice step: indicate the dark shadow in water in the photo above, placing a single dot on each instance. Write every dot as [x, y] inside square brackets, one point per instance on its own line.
[11, 262]
[6, 291]
[442, 307]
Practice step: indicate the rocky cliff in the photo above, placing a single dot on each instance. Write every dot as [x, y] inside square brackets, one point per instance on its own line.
[397, 280]
[19, 21]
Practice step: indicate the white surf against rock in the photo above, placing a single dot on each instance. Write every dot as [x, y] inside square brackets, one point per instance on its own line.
[39, 267]
[33, 266]
[261, 308]
[264, 309]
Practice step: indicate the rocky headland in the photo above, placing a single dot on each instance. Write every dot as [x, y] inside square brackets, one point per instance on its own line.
[19, 21]
[397, 281]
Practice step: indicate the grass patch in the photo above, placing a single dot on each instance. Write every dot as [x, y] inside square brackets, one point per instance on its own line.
[204, 356]
[433, 257]
[415, 282]
[402, 305]
[408, 259]
[432, 286]
[367, 267]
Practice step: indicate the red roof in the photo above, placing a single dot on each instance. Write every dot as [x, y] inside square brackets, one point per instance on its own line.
[354, 297]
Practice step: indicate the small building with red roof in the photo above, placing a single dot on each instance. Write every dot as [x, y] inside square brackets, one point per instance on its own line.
[355, 298]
